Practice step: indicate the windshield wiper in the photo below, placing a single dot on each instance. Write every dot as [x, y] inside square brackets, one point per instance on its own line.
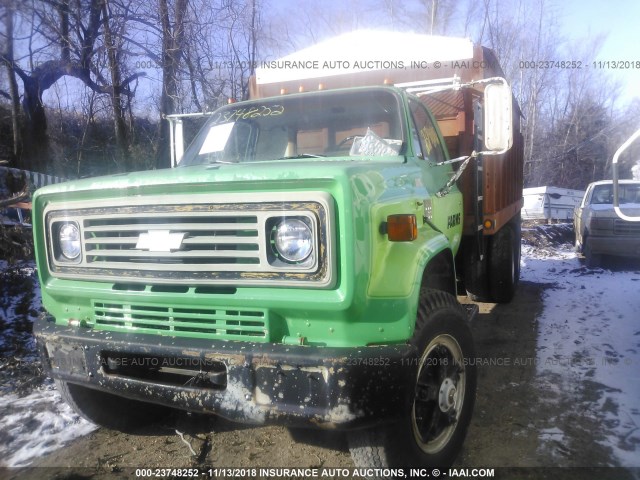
[302, 155]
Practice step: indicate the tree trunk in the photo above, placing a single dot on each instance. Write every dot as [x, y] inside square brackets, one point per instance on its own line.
[13, 91]
[36, 149]
[120, 124]
[172, 44]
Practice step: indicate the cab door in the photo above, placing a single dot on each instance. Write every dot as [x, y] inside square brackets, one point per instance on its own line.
[430, 151]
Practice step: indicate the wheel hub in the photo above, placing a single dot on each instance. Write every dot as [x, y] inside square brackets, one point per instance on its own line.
[447, 395]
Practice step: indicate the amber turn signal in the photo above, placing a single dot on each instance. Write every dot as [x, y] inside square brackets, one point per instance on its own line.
[402, 228]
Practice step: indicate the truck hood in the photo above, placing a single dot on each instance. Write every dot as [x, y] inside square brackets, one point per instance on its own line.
[371, 178]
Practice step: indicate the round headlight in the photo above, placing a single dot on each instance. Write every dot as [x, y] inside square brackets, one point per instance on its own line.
[294, 240]
[69, 237]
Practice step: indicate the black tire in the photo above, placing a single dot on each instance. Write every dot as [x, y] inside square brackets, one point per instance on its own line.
[504, 262]
[108, 410]
[592, 260]
[517, 241]
[435, 418]
[475, 272]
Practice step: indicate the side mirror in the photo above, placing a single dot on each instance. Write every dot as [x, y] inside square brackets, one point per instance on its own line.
[176, 138]
[616, 189]
[498, 117]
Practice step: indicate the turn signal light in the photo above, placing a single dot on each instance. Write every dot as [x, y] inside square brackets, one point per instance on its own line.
[402, 228]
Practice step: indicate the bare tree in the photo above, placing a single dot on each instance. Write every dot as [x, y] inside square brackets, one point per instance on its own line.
[8, 55]
[68, 37]
[172, 20]
[113, 45]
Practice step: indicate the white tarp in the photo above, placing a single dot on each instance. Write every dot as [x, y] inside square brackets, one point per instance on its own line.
[363, 50]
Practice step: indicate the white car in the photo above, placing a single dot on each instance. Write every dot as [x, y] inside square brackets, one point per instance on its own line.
[599, 231]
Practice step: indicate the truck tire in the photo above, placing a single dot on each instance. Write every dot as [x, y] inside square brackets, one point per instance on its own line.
[475, 272]
[434, 420]
[107, 410]
[504, 262]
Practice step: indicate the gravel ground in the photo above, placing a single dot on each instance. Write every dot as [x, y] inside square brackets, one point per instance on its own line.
[526, 415]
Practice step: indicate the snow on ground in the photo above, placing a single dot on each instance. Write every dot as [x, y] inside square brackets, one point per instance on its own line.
[36, 424]
[588, 352]
[33, 418]
[589, 343]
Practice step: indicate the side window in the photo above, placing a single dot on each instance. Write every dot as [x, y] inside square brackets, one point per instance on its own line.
[602, 195]
[430, 145]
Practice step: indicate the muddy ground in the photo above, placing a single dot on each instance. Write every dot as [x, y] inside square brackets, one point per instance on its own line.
[514, 405]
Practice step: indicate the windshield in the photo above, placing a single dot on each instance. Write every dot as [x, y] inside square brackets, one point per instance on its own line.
[627, 193]
[329, 124]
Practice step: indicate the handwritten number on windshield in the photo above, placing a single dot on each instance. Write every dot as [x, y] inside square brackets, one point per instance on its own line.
[247, 113]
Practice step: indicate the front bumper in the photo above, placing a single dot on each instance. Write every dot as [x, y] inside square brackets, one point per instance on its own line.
[254, 383]
[623, 246]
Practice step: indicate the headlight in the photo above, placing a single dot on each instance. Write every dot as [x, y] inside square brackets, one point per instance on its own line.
[69, 238]
[293, 240]
[598, 223]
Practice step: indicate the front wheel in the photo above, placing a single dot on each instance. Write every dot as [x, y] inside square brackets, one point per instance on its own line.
[434, 421]
[107, 410]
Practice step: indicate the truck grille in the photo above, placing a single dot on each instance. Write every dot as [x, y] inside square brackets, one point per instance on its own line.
[199, 322]
[224, 241]
[157, 241]
[623, 227]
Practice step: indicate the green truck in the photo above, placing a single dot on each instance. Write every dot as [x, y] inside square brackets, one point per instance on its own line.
[299, 266]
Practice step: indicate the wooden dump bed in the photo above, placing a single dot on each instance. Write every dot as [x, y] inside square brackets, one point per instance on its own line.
[398, 58]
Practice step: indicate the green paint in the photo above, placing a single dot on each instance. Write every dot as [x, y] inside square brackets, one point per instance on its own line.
[374, 299]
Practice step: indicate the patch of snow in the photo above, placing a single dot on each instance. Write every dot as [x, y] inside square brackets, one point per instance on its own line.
[19, 306]
[552, 433]
[36, 424]
[589, 335]
[34, 420]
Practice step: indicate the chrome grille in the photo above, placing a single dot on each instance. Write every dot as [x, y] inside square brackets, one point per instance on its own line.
[211, 240]
[227, 323]
[228, 242]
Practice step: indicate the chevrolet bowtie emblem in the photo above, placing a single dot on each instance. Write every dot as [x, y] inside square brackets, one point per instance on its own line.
[160, 241]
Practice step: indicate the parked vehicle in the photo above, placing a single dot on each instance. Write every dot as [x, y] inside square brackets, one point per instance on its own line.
[550, 203]
[299, 265]
[599, 230]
